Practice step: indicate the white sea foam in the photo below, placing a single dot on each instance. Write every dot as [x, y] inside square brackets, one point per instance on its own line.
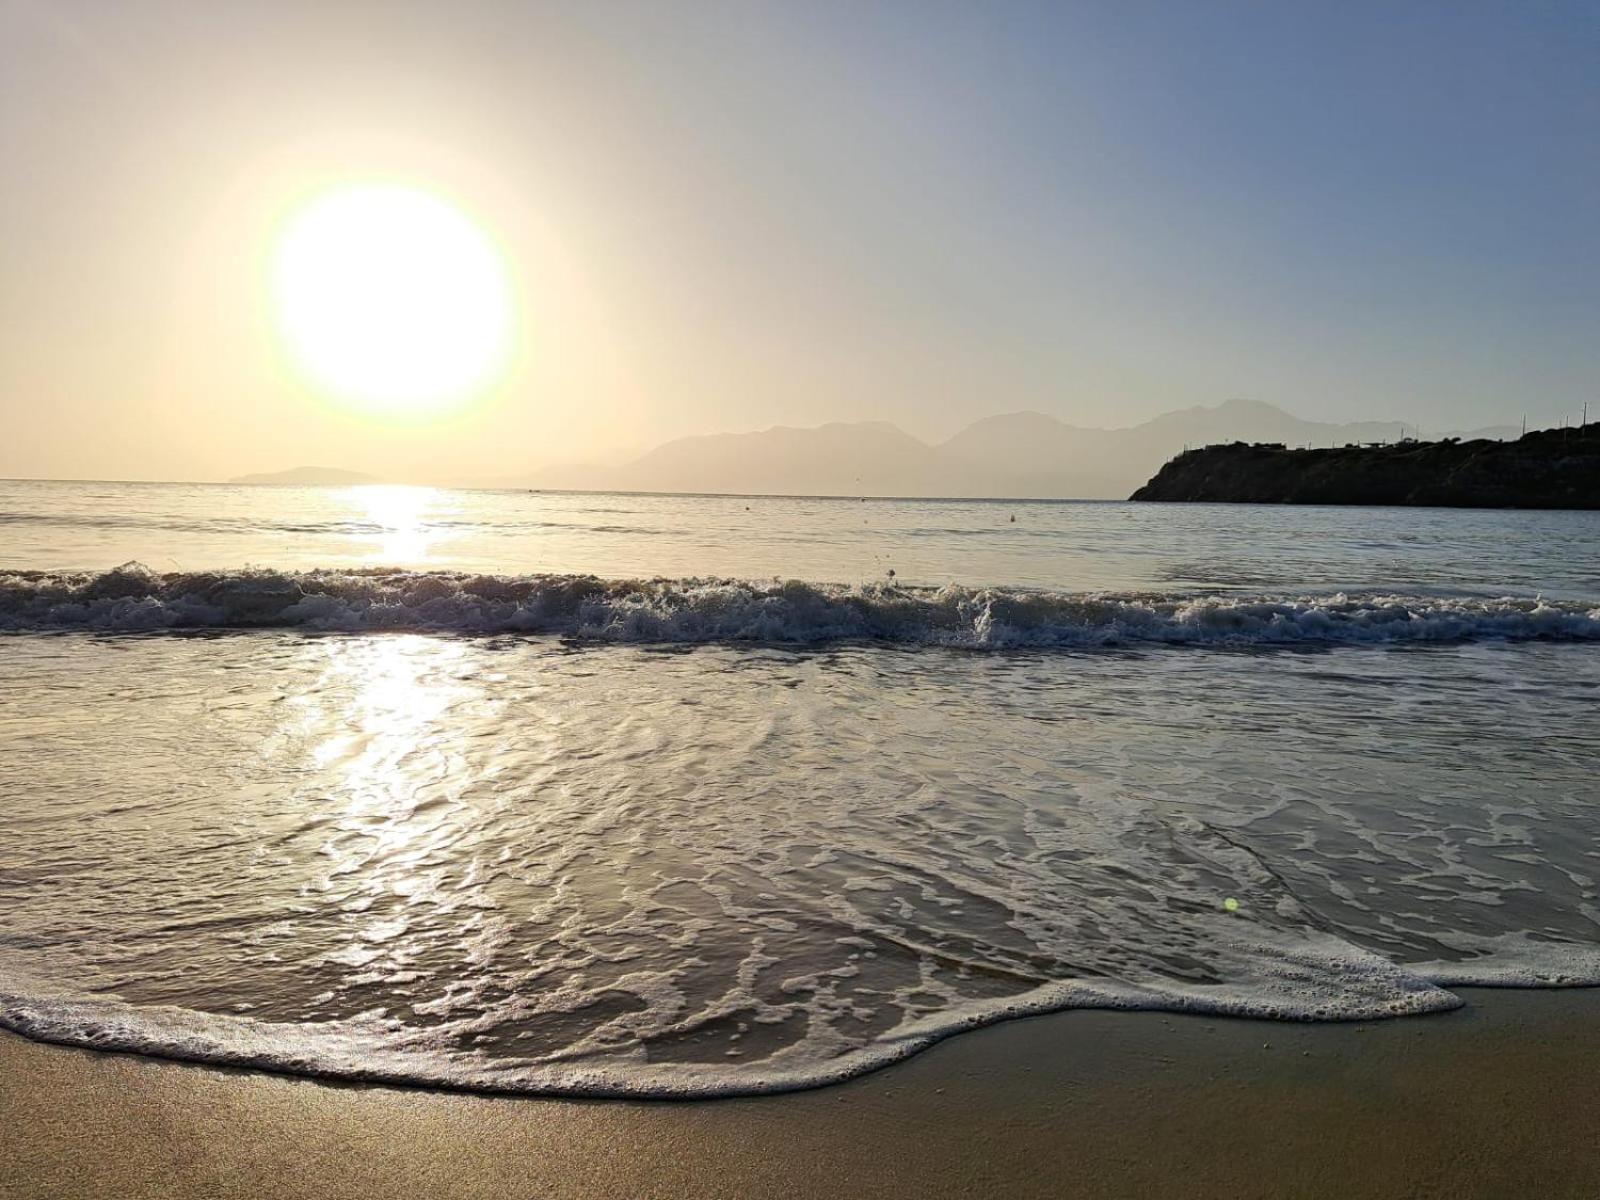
[134, 598]
[1294, 988]
[377, 1050]
[600, 869]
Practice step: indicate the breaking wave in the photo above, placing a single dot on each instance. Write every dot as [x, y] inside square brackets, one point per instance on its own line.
[134, 598]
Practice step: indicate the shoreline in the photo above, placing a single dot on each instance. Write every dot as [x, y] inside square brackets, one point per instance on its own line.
[1492, 1099]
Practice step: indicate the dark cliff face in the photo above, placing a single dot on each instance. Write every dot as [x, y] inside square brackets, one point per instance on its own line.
[1552, 468]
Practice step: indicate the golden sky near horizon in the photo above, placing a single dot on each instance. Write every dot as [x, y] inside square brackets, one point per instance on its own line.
[578, 230]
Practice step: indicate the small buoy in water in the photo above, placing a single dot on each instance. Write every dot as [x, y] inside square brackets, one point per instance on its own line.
[1231, 904]
[1013, 518]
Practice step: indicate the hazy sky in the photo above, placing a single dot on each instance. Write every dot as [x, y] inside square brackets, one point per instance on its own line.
[725, 216]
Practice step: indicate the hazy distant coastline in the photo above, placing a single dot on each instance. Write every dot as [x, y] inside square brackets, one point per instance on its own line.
[1023, 455]
[308, 477]
[1012, 456]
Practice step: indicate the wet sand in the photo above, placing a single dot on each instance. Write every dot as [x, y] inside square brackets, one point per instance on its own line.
[1497, 1100]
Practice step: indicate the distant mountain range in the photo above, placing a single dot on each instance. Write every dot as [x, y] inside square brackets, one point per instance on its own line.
[1023, 455]
[307, 477]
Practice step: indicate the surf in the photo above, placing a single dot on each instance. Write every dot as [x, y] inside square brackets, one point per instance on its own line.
[135, 598]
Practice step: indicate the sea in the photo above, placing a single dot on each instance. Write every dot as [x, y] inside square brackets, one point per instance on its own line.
[671, 796]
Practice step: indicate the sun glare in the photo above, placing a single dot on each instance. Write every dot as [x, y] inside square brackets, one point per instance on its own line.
[400, 513]
[390, 300]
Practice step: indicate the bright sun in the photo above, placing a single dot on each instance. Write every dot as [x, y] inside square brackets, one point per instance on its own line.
[392, 301]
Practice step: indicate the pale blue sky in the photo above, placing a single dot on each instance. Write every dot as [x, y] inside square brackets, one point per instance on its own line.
[725, 216]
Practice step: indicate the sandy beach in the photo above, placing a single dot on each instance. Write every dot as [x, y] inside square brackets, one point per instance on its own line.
[1496, 1099]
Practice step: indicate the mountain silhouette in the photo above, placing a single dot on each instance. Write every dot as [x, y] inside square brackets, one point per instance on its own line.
[1025, 455]
[307, 477]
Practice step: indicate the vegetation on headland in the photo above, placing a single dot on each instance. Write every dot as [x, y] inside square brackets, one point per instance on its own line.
[1551, 468]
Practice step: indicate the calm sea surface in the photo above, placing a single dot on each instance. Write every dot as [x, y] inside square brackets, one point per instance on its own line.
[657, 795]
[1087, 546]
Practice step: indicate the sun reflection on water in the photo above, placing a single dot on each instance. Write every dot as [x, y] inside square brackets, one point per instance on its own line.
[404, 515]
[381, 724]
[383, 737]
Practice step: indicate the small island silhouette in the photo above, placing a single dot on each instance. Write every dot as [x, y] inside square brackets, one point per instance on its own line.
[307, 477]
[1551, 468]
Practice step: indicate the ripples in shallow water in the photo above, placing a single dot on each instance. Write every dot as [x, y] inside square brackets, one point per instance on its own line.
[508, 862]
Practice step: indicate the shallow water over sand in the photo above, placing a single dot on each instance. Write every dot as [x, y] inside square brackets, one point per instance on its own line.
[520, 863]
[269, 798]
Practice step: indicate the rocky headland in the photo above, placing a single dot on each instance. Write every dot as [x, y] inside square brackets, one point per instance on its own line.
[1551, 468]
